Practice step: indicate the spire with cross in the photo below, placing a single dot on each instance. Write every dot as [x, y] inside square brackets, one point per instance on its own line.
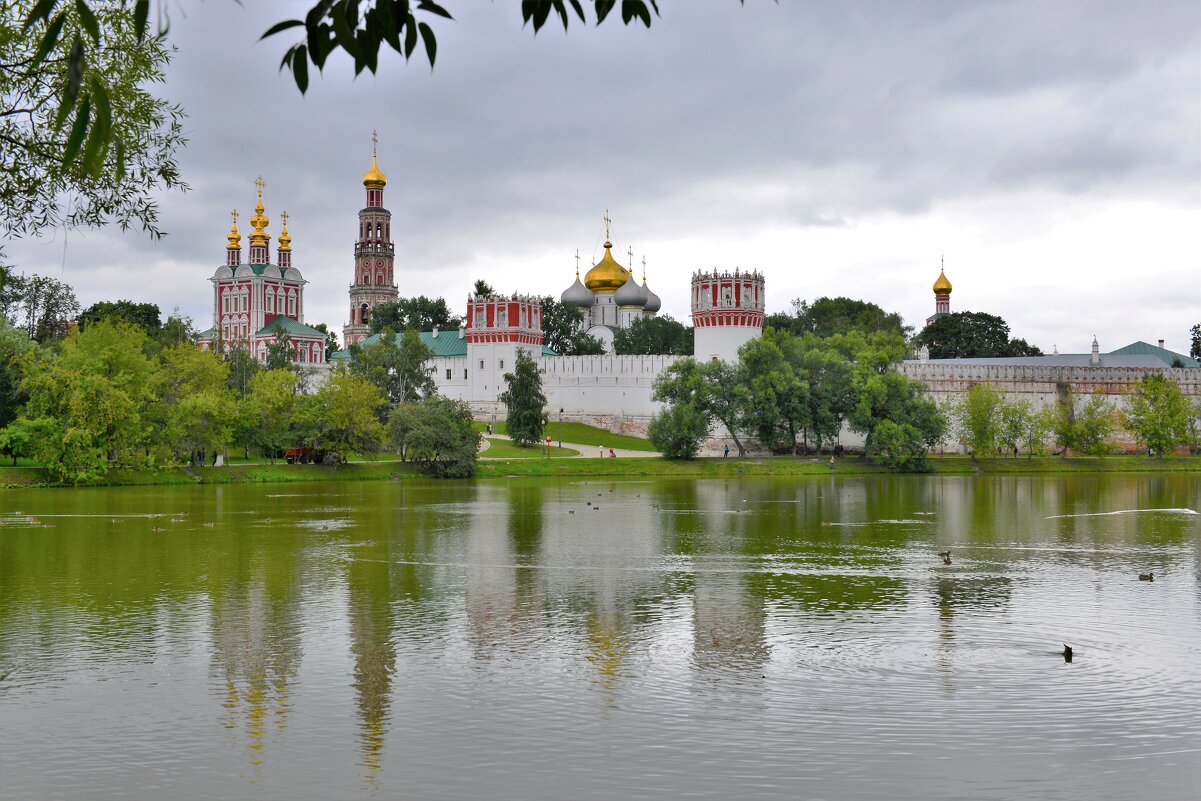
[608, 223]
[577, 262]
[644, 270]
[630, 253]
[374, 144]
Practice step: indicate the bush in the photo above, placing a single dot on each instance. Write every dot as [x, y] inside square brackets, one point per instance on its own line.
[437, 435]
[678, 431]
[900, 446]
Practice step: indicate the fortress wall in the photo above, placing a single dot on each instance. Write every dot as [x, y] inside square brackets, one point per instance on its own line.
[1040, 383]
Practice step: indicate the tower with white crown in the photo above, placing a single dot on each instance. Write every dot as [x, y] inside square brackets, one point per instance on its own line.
[497, 326]
[374, 256]
[727, 311]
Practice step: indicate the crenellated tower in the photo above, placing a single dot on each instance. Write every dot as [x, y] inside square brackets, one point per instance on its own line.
[497, 327]
[374, 255]
[727, 311]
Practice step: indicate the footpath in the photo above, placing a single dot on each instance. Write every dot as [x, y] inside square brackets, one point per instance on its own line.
[585, 451]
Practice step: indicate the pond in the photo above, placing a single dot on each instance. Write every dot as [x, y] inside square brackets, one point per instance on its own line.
[554, 639]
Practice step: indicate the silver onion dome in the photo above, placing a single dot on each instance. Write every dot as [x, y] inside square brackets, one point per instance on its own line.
[653, 303]
[577, 295]
[630, 294]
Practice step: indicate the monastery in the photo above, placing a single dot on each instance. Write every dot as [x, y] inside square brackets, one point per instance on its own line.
[258, 302]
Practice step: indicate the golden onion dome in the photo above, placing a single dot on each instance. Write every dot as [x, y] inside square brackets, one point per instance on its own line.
[234, 238]
[373, 178]
[942, 286]
[607, 275]
[285, 239]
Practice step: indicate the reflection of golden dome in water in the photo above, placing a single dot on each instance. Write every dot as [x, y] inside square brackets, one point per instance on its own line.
[942, 286]
[607, 275]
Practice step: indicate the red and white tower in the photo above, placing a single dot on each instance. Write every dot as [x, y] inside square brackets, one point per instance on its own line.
[727, 311]
[374, 255]
[942, 296]
[497, 327]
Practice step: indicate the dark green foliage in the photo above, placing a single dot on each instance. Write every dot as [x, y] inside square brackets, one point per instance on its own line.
[331, 339]
[971, 335]
[525, 404]
[482, 287]
[562, 329]
[42, 307]
[901, 446]
[280, 353]
[242, 368]
[145, 315]
[436, 435]
[399, 365]
[826, 317]
[678, 430]
[1158, 414]
[1195, 346]
[660, 335]
[419, 313]
[1082, 424]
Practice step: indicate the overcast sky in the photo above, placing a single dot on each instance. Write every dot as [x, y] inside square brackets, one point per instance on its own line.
[1050, 151]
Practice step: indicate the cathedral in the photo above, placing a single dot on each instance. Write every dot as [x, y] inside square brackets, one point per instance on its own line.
[259, 303]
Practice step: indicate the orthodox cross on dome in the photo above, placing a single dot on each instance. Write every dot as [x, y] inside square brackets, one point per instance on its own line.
[283, 215]
[577, 262]
[260, 184]
[644, 269]
[374, 143]
[608, 222]
[630, 253]
[234, 214]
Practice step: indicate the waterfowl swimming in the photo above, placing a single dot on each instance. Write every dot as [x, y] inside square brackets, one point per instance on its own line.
[1067, 653]
[945, 554]
[571, 511]
[1146, 577]
[946, 560]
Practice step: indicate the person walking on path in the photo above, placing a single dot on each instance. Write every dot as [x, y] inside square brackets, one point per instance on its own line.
[725, 454]
[601, 455]
[612, 455]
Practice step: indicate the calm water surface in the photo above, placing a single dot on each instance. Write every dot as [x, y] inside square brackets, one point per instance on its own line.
[691, 639]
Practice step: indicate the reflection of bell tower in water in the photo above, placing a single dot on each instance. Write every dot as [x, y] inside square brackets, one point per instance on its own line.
[374, 255]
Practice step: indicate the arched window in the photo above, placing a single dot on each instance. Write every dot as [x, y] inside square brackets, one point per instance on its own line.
[270, 303]
[291, 305]
[363, 314]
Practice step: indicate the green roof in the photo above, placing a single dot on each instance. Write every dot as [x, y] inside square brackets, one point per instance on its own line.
[291, 327]
[446, 343]
[1163, 354]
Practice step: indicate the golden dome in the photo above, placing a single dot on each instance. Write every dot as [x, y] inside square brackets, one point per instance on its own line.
[942, 286]
[373, 178]
[235, 239]
[260, 220]
[285, 239]
[607, 275]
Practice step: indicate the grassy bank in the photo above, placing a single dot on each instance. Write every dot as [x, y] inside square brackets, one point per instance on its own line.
[616, 468]
[505, 449]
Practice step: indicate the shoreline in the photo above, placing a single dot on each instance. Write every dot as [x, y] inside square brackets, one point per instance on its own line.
[638, 467]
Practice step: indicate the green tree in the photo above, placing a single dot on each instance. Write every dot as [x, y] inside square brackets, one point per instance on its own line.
[177, 330]
[194, 409]
[525, 404]
[828, 375]
[776, 397]
[562, 330]
[400, 366]
[145, 315]
[826, 317]
[438, 436]
[13, 347]
[1195, 342]
[268, 412]
[891, 396]
[659, 335]
[331, 339]
[1157, 413]
[901, 446]
[242, 368]
[85, 140]
[969, 335]
[343, 415]
[978, 418]
[42, 307]
[419, 313]
[1014, 424]
[1081, 424]
[482, 287]
[281, 353]
[88, 400]
[678, 429]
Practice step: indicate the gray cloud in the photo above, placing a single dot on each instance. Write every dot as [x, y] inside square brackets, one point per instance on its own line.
[721, 124]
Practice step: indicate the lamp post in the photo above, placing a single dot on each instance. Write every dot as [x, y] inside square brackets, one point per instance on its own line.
[560, 427]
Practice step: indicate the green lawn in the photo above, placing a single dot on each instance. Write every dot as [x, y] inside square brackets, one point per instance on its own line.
[505, 449]
[584, 434]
